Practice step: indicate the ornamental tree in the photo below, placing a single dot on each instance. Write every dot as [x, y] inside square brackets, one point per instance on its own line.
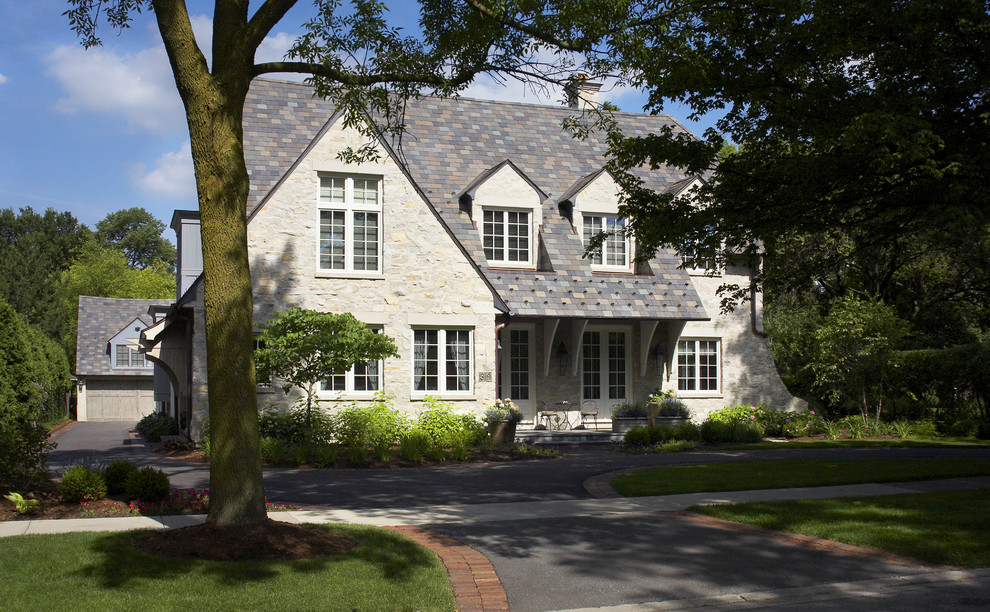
[303, 347]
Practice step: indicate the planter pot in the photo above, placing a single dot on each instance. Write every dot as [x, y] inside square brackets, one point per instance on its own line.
[624, 424]
[670, 421]
[503, 434]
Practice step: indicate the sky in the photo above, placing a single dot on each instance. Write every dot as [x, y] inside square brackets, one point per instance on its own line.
[100, 130]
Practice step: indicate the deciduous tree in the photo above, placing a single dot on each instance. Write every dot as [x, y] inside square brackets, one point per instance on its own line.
[138, 234]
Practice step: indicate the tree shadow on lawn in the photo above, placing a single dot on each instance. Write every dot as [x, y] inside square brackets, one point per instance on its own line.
[392, 557]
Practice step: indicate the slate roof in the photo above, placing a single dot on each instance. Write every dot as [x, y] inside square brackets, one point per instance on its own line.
[100, 319]
[448, 145]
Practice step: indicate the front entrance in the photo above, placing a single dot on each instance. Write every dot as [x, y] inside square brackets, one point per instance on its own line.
[517, 369]
[605, 368]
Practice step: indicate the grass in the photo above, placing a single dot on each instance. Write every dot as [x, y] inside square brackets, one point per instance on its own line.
[786, 473]
[940, 528]
[867, 443]
[103, 571]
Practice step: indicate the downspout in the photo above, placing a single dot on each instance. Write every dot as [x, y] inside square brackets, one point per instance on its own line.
[498, 357]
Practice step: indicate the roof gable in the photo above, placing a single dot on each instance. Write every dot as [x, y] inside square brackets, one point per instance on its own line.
[102, 319]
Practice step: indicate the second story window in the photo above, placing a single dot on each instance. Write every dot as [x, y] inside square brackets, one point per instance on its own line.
[127, 357]
[506, 236]
[350, 224]
[614, 252]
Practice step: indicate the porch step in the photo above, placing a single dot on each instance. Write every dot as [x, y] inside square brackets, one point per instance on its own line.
[567, 436]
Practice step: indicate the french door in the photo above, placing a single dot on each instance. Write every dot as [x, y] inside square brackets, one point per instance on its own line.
[605, 368]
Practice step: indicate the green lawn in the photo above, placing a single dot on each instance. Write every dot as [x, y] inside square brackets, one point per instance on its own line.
[868, 443]
[103, 571]
[785, 473]
[940, 528]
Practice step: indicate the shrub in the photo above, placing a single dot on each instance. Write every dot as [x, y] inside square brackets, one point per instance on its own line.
[290, 427]
[377, 427]
[924, 428]
[157, 424]
[678, 446]
[80, 483]
[833, 429]
[903, 429]
[638, 436]
[273, 451]
[205, 442]
[414, 445]
[963, 427]
[148, 484]
[721, 432]
[630, 410]
[116, 474]
[687, 431]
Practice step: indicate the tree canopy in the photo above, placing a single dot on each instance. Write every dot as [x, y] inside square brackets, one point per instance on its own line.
[303, 347]
[138, 234]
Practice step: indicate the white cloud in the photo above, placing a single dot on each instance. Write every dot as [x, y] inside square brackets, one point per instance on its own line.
[139, 85]
[3, 79]
[172, 176]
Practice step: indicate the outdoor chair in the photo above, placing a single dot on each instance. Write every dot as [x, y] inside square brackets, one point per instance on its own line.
[589, 409]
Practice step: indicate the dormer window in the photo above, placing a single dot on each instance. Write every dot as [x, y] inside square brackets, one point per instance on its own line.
[506, 235]
[506, 209]
[615, 250]
[126, 357]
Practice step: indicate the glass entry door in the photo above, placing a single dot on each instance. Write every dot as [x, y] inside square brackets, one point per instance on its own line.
[604, 368]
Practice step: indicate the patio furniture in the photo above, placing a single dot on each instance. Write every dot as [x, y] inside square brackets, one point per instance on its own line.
[589, 409]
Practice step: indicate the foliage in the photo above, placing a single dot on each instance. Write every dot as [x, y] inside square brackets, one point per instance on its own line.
[21, 504]
[303, 347]
[116, 473]
[157, 424]
[25, 378]
[376, 428]
[531, 451]
[720, 432]
[204, 440]
[273, 451]
[678, 446]
[81, 483]
[138, 235]
[672, 407]
[34, 251]
[414, 445]
[148, 484]
[504, 411]
[291, 427]
[629, 411]
[854, 352]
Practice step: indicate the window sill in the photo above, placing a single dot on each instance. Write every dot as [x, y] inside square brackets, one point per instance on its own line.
[699, 395]
[418, 396]
[350, 275]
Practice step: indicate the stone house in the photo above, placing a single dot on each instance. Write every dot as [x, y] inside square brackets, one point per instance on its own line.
[466, 244]
[114, 381]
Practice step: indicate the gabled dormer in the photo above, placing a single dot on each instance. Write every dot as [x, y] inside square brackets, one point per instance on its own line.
[506, 208]
[123, 348]
[687, 188]
[593, 202]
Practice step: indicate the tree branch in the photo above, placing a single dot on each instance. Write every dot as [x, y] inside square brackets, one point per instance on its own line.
[265, 18]
[568, 45]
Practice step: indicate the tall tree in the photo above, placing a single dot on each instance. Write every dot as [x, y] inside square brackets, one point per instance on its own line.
[356, 59]
[138, 234]
[34, 251]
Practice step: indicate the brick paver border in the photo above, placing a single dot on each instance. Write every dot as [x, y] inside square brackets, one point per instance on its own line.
[476, 586]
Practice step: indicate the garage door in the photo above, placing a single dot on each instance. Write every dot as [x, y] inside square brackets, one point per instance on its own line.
[119, 400]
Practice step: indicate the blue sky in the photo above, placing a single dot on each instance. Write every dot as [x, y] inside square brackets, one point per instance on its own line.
[99, 130]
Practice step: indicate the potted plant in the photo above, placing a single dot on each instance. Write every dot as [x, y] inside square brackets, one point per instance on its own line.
[665, 409]
[628, 416]
[502, 419]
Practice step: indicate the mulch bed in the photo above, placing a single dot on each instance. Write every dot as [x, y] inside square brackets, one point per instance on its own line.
[267, 541]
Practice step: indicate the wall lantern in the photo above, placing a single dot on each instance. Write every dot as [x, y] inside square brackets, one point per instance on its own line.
[658, 359]
[561, 356]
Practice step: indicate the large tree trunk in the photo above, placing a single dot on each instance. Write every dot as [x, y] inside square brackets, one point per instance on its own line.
[214, 109]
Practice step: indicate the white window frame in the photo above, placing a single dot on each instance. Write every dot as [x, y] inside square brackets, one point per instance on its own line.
[599, 261]
[130, 352]
[442, 390]
[503, 261]
[349, 390]
[350, 209]
[693, 344]
[603, 367]
[527, 405]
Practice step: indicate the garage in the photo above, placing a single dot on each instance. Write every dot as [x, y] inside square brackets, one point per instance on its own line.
[116, 400]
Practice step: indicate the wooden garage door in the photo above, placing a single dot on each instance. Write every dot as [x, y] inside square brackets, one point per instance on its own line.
[119, 400]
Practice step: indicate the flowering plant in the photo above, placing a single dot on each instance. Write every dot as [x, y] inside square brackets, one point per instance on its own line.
[504, 411]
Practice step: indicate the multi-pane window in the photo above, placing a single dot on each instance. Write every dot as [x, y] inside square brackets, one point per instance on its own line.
[614, 252]
[127, 357]
[263, 383]
[350, 224]
[360, 379]
[603, 365]
[519, 364]
[697, 365]
[506, 236]
[442, 360]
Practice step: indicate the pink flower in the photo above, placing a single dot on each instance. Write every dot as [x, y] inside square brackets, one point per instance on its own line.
[812, 412]
[752, 418]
